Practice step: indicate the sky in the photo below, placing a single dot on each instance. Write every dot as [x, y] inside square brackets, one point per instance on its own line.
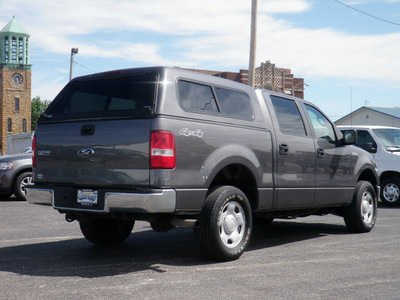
[348, 50]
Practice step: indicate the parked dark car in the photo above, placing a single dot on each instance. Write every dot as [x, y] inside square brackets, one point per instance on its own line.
[15, 174]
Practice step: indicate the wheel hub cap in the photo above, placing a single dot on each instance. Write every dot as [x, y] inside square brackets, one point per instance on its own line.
[367, 207]
[232, 224]
[391, 192]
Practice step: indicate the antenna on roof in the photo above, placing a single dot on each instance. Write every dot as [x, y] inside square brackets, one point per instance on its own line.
[351, 107]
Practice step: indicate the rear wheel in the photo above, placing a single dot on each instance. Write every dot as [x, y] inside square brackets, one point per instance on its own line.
[106, 231]
[390, 193]
[225, 224]
[360, 215]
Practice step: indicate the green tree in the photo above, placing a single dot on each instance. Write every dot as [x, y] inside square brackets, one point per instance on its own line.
[38, 107]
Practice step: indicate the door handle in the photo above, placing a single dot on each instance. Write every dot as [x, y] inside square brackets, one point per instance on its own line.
[320, 153]
[87, 130]
[283, 149]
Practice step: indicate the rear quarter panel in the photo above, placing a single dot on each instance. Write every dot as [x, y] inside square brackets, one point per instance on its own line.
[206, 143]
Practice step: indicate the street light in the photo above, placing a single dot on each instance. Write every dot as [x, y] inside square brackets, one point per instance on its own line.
[73, 52]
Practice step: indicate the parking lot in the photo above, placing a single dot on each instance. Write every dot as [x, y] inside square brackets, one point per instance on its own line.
[44, 257]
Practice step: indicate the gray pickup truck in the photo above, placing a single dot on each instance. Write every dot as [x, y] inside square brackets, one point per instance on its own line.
[180, 148]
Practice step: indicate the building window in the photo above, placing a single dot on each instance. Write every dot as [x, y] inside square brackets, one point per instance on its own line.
[6, 45]
[14, 50]
[24, 125]
[9, 125]
[16, 104]
[20, 50]
[6, 49]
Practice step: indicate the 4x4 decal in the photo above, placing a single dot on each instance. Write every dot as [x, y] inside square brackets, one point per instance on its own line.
[187, 132]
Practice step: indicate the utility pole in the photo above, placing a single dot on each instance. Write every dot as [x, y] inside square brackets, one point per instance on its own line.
[73, 52]
[253, 37]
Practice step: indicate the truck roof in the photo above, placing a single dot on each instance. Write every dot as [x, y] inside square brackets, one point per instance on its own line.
[366, 127]
[170, 72]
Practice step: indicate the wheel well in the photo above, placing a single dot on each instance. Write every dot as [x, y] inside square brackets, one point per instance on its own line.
[239, 176]
[368, 175]
[16, 176]
[389, 174]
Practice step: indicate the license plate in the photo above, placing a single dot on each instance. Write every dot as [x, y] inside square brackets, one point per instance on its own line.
[87, 197]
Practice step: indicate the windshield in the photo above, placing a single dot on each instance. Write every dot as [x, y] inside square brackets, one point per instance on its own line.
[390, 138]
[131, 95]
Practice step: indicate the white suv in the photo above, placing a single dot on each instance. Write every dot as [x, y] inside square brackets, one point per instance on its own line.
[384, 144]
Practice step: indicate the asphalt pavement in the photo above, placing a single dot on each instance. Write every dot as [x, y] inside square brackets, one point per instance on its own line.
[44, 257]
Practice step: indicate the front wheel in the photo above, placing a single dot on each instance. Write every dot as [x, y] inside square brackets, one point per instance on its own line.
[390, 193]
[360, 215]
[22, 181]
[106, 231]
[225, 224]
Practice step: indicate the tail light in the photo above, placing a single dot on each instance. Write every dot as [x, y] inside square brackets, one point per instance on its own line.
[33, 151]
[162, 150]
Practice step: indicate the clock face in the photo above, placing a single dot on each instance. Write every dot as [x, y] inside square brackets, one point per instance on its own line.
[17, 78]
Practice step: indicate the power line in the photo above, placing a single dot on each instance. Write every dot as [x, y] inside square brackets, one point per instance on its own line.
[367, 14]
[76, 63]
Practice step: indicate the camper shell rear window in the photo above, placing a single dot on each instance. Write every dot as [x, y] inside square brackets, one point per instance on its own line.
[130, 95]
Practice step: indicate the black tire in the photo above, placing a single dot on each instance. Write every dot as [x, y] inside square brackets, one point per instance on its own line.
[225, 224]
[360, 215]
[23, 180]
[106, 231]
[390, 192]
[5, 196]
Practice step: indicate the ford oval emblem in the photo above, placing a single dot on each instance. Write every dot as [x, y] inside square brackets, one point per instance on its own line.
[85, 152]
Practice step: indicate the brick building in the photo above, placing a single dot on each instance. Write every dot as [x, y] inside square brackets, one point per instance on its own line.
[267, 76]
[15, 82]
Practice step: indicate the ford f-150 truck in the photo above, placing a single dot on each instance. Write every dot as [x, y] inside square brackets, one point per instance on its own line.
[180, 148]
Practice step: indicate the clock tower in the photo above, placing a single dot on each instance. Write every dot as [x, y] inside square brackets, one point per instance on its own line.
[15, 82]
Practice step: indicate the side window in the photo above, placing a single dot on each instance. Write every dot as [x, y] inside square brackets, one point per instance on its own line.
[198, 97]
[322, 127]
[288, 115]
[234, 103]
[365, 141]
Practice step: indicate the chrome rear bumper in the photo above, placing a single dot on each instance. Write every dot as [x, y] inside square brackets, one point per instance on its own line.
[155, 201]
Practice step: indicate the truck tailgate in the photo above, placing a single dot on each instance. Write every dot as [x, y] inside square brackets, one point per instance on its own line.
[94, 153]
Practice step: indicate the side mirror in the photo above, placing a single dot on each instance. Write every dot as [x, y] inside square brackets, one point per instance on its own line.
[349, 137]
